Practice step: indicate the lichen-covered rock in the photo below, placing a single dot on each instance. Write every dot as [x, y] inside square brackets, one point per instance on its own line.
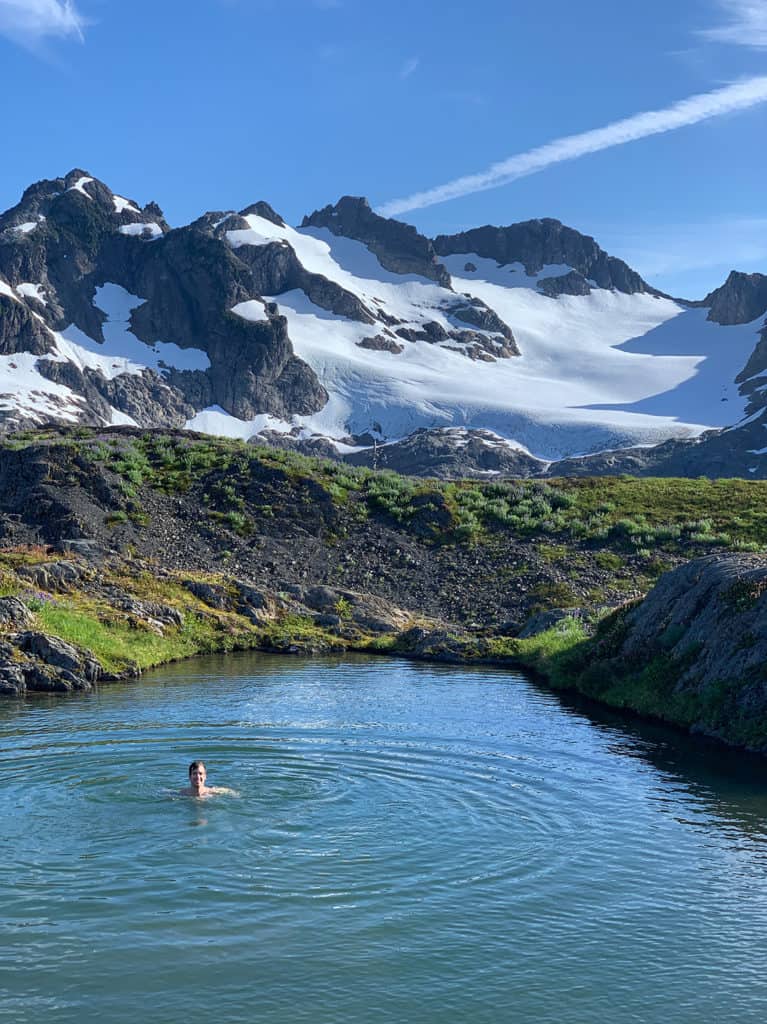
[14, 614]
[694, 650]
[440, 645]
[52, 576]
[370, 613]
[58, 654]
[260, 606]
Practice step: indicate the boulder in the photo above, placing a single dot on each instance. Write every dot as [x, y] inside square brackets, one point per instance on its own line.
[149, 611]
[55, 576]
[58, 654]
[370, 613]
[14, 614]
[12, 682]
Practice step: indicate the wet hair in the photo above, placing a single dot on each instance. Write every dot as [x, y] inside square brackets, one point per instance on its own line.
[195, 764]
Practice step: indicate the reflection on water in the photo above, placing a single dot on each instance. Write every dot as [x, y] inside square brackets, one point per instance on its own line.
[411, 843]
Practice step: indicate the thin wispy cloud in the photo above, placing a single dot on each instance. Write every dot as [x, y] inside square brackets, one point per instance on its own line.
[28, 22]
[745, 24]
[409, 67]
[690, 111]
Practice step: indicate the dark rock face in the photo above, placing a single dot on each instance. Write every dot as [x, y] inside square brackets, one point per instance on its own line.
[35, 661]
[568, 284]
[148, 613]
[380, 343]
[77, 236]
[714, 454]
[476, 313]
[741, 299]
[536, 243]
[275, 269]
[20, 331]
[707, 620]
[12, 683]
[262, 209]
[398, 246]
[319, 447]
[59, 654]
[145, 397]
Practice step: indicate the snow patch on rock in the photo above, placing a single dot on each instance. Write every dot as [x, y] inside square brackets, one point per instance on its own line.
[27, 226]
[25, 392]
[29, 290]
[122, 204]
[253, 310]
[121, 351]
[79, 186]
[151, 230]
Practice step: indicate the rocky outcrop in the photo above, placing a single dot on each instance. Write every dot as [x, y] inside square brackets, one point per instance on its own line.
[538, 243]
[34, 661]
[329, 607]
[398, 246]
[20, 331]
[14, 614]
[478, 314]
[741, 299]
[381, 343]
[338, 607]
[693, 651]
[564, 284]
[57, 577]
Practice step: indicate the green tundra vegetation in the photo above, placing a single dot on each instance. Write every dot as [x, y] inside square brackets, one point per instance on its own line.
[618, 513]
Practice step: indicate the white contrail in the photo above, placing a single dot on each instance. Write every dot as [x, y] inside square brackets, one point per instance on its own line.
[739, 96]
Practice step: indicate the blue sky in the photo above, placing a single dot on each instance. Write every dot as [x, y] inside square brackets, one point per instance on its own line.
[214, 104]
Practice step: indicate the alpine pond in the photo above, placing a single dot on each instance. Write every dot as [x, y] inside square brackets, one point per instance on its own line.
[409, 843]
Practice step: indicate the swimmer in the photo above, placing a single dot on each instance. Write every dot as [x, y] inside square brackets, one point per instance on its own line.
[197, 787]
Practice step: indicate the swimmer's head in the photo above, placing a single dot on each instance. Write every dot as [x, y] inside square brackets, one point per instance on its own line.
[197, 774]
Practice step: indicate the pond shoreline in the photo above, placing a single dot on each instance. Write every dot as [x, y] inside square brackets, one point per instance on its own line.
[544, 659]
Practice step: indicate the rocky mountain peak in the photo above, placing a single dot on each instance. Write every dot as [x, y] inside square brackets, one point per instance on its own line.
[544, 242]
[741, 299]
[262, 209]
[78, 205]
[399, 247]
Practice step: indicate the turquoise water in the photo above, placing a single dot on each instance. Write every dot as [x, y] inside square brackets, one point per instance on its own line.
[411, 843]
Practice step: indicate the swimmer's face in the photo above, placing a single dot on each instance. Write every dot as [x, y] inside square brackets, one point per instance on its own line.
[197, 777]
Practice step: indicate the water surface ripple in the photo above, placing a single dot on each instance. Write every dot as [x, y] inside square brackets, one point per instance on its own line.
[410, 843]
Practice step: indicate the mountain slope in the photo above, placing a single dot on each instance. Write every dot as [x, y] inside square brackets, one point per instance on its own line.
[354, 329]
